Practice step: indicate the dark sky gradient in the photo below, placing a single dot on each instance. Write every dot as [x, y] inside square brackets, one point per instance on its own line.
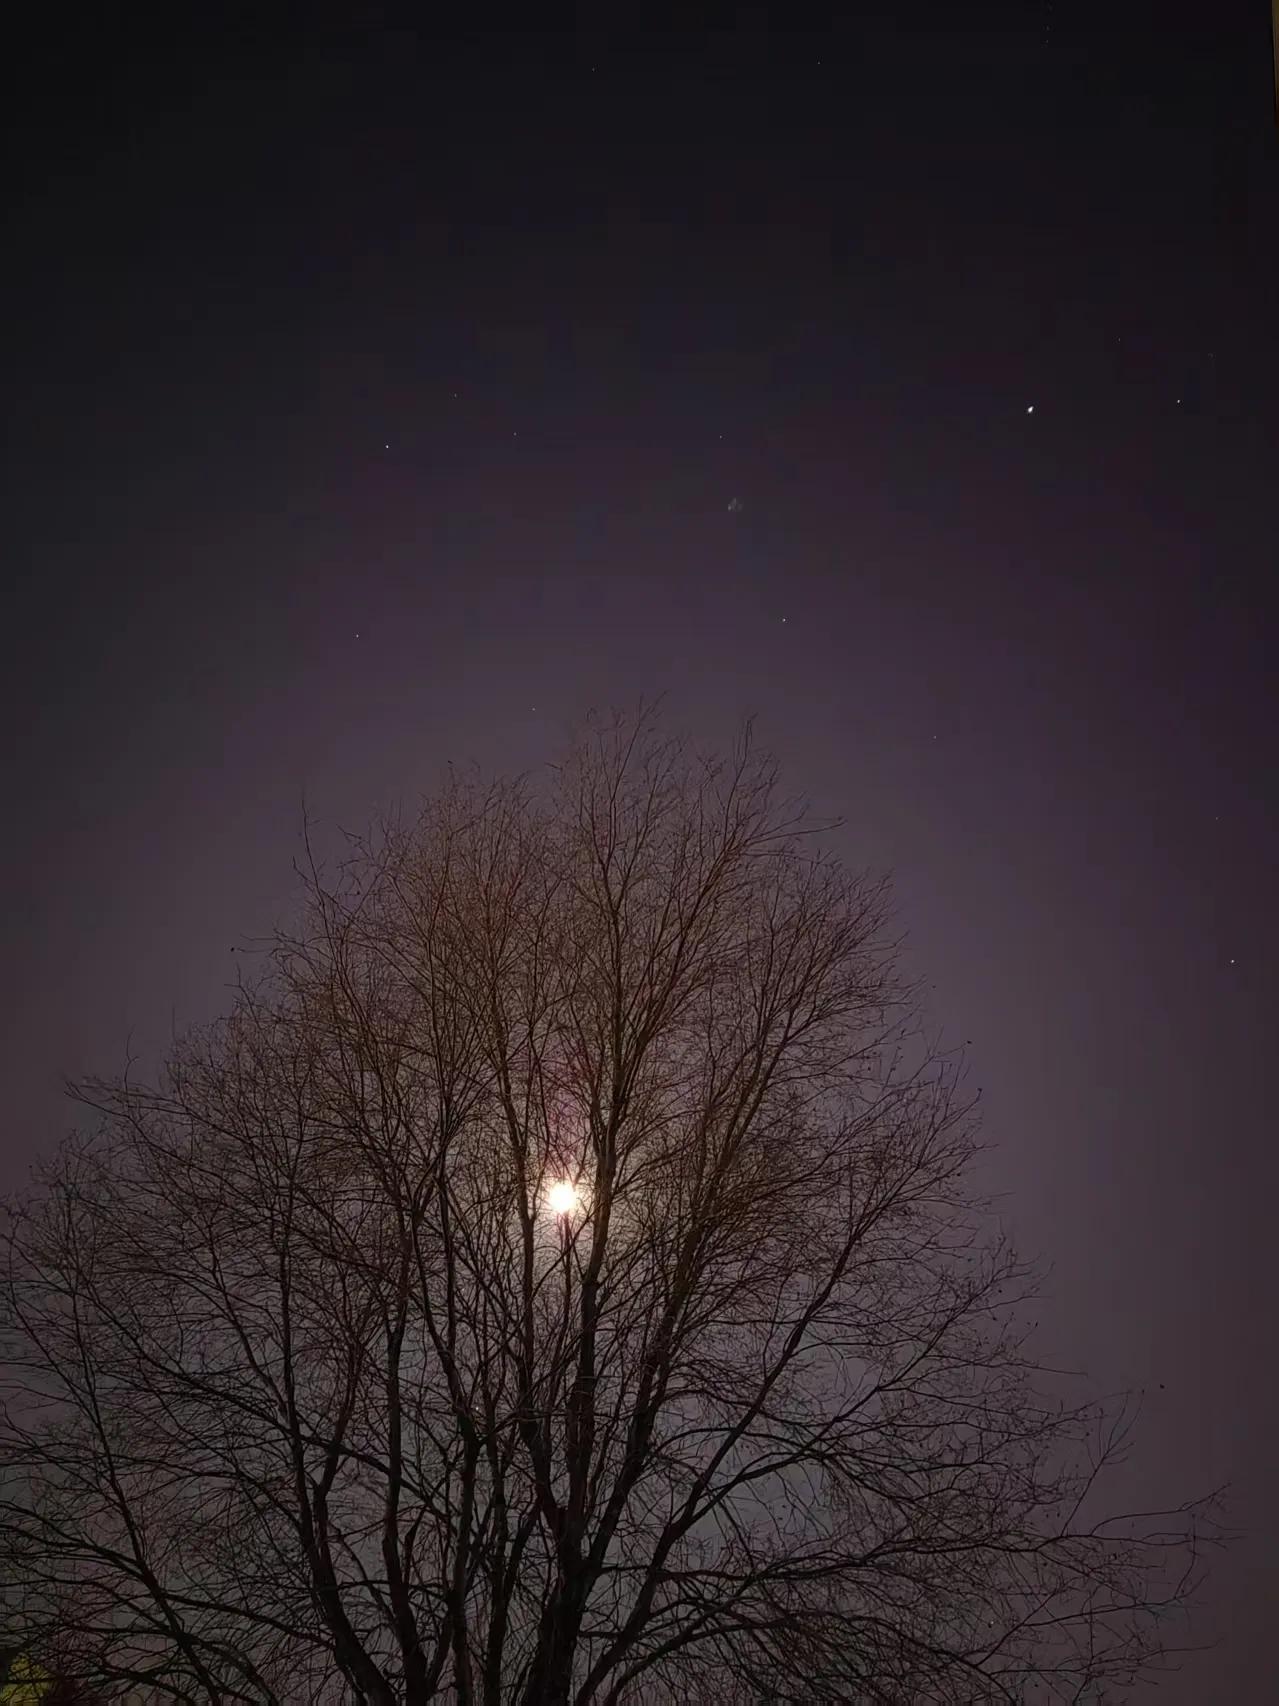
[375, 400]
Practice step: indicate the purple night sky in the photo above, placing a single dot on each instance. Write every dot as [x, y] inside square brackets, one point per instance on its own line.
[377, 400]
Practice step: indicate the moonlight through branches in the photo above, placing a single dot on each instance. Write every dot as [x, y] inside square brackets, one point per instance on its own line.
[556, 1280]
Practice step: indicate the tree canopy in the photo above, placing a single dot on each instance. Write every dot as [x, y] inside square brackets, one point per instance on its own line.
[558, 1278]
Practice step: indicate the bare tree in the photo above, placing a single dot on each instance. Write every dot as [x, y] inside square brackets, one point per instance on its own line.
[556, 1280]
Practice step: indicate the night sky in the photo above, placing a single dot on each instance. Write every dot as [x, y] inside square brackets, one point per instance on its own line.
[375, 400]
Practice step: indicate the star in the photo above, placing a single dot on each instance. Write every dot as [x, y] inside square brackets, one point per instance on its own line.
[1030, 409]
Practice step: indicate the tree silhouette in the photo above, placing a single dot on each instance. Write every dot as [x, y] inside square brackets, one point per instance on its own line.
[557, 1279]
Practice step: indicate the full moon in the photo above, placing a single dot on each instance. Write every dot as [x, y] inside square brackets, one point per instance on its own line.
[562, 1198]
